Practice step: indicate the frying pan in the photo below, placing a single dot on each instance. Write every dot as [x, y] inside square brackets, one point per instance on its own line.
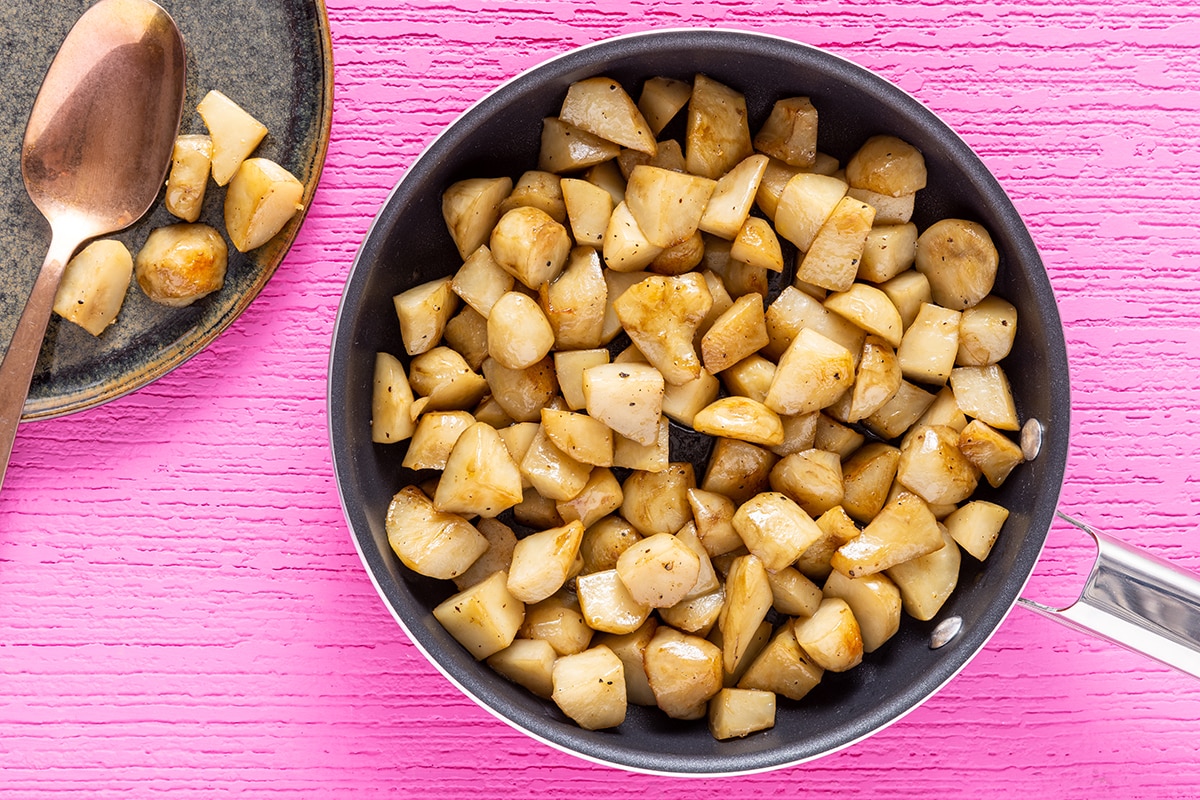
[1128, 597]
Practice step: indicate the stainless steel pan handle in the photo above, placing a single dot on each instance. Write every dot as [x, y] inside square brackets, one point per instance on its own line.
[1138, 601]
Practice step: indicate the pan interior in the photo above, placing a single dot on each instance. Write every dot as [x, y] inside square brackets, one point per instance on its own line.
[408, 244]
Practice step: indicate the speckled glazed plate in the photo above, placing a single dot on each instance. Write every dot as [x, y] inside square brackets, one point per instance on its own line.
[271, 56]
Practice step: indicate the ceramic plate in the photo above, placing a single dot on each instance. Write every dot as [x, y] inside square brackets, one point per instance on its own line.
[271, 56]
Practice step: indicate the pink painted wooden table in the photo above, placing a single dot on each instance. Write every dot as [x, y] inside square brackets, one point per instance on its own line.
[182, 612]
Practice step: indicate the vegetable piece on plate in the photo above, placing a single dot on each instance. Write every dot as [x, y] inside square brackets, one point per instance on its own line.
[581, 437]
[522, 393]
[976, 526]
[569, 366]
[729, 205]
[480, 477]
[498, 556]
[484, 618]
[867, 477]
[539, 189]
[985, 394]
[626, 248]
[181, 263]
[783, 667]
[391, 401]
[480, 281]
[661, 99]
[191, 162]
[757, 245]
[607, 605]
[444, 381]
[575, 301]
[554, 474]
[234, 131]
[748, 598]
[877, 381]
[870, 309]
[604, 541]
[656, 502]
[259, 201]
[542, 561]
[930, 345]
[775, 529]
[812, 373]
[739, 470]
[589, 687]
[790, 132]
[735, 713]
[94, 284]
[599, 497]
[627, 398]
[589, 207]
[740, 418]
[631, 649]
[811, 478]
[684, 672]
[659, 570]
[718, 130]
[602, 107]
[989, 450]
[831, 636]
[832, 260]
[559, 621]
[960, 260]
[737, 334]
[986, 332]
[887, 165]
[471, 208]
[530, 245]
[836, 529]
[423, 312]
[518, 333]
[926, 582]
[932, 465]
[566, 148]
[904, 529]
[890, 249]
[806, 202]
[435, 543]
[667, 205]
[792, 593]
[875, 602]
[528, 662]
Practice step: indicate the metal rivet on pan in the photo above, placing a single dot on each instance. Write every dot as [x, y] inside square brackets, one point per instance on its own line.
[945, 632]
[1031, 439]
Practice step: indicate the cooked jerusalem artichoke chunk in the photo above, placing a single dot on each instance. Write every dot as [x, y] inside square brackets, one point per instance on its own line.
[259, 201]
[234, 132]
[94, 284]
[191, 162]
[179, 264]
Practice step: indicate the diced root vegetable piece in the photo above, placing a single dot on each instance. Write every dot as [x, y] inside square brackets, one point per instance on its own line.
[484, 618]
[589, 687]
[735, 713]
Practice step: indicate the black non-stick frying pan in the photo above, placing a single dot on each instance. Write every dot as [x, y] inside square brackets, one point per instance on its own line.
[408, 244]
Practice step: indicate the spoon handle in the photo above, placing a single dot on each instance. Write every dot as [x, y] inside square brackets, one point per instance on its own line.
[16, 371]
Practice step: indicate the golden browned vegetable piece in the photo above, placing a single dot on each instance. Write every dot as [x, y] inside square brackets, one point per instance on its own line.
[181, 263]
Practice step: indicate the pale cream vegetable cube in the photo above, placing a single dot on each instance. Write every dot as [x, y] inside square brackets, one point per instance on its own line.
[832, 260]
[984, 393]
[191, 162]
[680, 257]
[589, 208]
[762, 635]
[799, 433]
[707, 580]
[530, 245]
[976, 526]
[569, 366]
[986, 332]
[926, 582]
[657, 502]
[518, 333]
[604, 541]
[480, 281]
[875, 602]
[836, 529]
[681, 402]
[960, 260]
[811, 478]
[887, 165]
[391, 401]
[566, 148]
[661, 314]
[775, 529]
[589, 687]
[234, 132]
[667, 205]
[904, 529]
[740, 418]
[540, 189]
[908, 291]
[991, 451]
[445, 381]
[932, 465]
[669, 156]
[607, 605]
[888, 210]
[617, 284]
[729, 206]
[718, 131]
[554, 474]
[471, 208]
[757, 245]
[735, 713]
[423, 312]
[489, 411]
[579, 436]
[659, 570]
[806, 202]
[528, 663]
[748, 598]
[770, 187]
[601, 107]
[542, 561]
[831, 636]
[484, 618]
[600, 496]
[607, 175]
[631, 649]
[684, 672]
[870, 309]
[944, 410]
[793, 310]
[930, 345]
[790, 132]
[792, 593]
[661, 99]
[466, 334]
[559, 621]
[626, 248]
[431, 542]
[890, 250]
[626, 398]
[812, 373]
[877, 381]
[713, 516]
[480, 478]
[750, 377]
[94, 284]
[867, 478]
[783, 668]
[517, 437]
[498, 556]
[653, 457]
[260, 199]
[899, 413]
[181, 263]
[522, 393]
[696, 615]
[739, 470]
[835, 437]
[434, 438]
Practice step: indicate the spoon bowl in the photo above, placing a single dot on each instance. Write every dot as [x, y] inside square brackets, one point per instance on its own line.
[96, 151]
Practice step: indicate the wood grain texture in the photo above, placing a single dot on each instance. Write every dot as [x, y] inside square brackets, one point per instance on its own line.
[182, 612]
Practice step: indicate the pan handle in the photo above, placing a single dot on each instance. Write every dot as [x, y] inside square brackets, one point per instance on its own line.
[1138, 601]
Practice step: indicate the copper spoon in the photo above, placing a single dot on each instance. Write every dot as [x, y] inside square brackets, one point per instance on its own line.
[96, 152]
